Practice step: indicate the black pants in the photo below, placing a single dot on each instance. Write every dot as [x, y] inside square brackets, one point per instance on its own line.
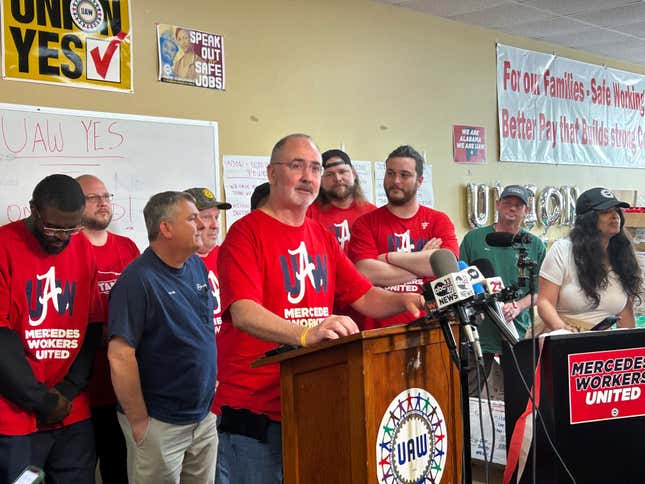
[110, 445]
[66, 455]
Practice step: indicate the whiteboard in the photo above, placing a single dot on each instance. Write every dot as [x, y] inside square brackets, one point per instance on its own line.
[135, 156]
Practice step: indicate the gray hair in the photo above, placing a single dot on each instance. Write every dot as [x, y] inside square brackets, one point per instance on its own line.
[159, 209]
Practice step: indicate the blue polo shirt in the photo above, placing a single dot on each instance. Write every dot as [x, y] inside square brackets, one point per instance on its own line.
[166, 314]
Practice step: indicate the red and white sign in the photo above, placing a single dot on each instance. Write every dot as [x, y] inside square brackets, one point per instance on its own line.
[557, 110]
[606, 385]
[469, 144]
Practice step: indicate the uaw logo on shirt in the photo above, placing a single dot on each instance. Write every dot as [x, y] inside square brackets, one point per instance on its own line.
[412, 440]
[47, 288]
[299, 267]
[342, 232]
[214, 283]
[404, 243]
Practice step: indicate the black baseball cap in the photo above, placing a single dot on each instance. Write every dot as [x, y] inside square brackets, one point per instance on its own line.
[598, 199]
[259, 193]
[516, 191]
[344, 158]
[204, 199]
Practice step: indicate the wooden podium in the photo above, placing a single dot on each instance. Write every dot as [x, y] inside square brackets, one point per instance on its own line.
[336, 395]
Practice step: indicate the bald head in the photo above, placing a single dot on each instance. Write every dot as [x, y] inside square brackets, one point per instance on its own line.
[98, 203]
[276, 152]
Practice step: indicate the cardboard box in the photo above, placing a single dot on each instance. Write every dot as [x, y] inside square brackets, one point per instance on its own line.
[634, 219]
[628, 196]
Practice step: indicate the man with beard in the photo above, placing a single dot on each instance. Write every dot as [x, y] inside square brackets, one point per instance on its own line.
[392, 244]
[341, 200]
[512, 207]
[50, 326]
[209, 210]
[113, 252]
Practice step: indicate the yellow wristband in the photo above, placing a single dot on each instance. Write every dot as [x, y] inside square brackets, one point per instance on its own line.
[303, 337]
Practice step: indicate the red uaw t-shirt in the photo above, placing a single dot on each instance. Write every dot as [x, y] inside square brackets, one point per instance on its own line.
[111, 258]
[381, 231]
[294, 272]
[48, 299]
[339, 221]
[210, 261]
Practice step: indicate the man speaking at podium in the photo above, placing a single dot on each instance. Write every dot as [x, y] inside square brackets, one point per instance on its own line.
[280, 274]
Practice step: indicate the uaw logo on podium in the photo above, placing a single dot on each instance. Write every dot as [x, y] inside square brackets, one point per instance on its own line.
[412, 440]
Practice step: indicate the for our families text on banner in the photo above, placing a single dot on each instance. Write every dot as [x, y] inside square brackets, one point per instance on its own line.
[190, 57]
[557, 110]
[79, 43]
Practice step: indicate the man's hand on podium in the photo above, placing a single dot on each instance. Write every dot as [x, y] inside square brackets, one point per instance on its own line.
[332, 327]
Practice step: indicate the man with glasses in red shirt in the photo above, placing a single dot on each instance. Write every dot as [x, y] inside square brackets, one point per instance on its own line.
[281, 274]
[49, 329]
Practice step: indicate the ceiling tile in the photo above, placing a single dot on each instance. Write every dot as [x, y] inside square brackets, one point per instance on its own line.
[544, 28]
[614, 16]
[566, 7]
[501, 16]
[591, 37]
[448, 8]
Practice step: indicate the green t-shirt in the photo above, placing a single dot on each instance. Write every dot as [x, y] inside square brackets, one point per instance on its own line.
[504, 260]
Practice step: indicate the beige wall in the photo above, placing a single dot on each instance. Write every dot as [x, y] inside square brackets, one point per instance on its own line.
[352, 71]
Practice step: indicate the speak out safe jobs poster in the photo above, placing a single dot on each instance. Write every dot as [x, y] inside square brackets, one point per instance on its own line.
[80, 43]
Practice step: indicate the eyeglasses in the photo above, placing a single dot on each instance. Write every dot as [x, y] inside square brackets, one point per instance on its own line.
[299, 166]
[53, 232]
[106, 197]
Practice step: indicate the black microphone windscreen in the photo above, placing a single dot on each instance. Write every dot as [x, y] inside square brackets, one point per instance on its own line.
[500, 239]
[507, 239]
[443, 262]
[485, 266]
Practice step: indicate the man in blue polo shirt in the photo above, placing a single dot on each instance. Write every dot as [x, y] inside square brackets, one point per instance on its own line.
[162, 350]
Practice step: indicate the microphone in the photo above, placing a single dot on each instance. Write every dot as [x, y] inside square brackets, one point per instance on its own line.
[452, 288]
[473, 275]
[445, 267]
[507, 239]
[494, 285]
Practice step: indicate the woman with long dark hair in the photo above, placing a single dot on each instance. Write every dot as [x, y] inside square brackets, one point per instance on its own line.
[593, 273]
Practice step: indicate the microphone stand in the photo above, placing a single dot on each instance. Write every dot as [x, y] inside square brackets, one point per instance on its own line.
[461, 361]
[466, 366]
[524, 263]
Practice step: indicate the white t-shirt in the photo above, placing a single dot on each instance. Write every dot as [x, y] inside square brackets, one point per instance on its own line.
[560, 269]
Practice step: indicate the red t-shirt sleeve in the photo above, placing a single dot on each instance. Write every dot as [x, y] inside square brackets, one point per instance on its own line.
[362, 244]
[445, 230]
